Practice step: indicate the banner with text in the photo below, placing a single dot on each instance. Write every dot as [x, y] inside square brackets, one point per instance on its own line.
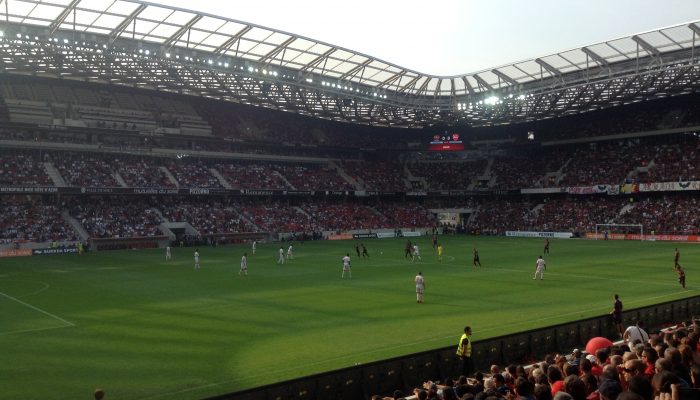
[637, 236]
[669, 186]
[558, 235]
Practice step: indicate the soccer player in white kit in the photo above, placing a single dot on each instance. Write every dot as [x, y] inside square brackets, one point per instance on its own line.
[346, 266]
[420, 287]
[416, 253]
[290, 253]
[540, 267]
[244, 265]
[255, 244]
[196, 258]
[280, 260]
[168, 256]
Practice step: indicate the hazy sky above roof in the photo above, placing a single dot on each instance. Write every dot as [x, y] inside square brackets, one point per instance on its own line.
[453, 37]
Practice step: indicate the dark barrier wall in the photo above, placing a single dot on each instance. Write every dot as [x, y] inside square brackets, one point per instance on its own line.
[383, 377]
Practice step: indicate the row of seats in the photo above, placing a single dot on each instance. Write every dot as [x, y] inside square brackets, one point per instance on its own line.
[606, 163]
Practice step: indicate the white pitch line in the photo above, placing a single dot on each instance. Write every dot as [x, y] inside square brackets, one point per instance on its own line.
[35, 330]
[38, 309]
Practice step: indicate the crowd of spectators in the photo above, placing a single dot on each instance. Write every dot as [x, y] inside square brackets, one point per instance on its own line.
[207, 216]
[668, 214]
[193, 174]
[116, 218]
[601, 163]
[528, 169]
[662, 214]
[458, 175]
[373, 175]
[663, 365]
[496, 216]
[142, 172]
[279, 216]
[675, 163]
[405, 214]
[345, 216]
[34, 221]
[251, 176]
[577, 213]
[22, 169]
[84, 169]
[313, 177]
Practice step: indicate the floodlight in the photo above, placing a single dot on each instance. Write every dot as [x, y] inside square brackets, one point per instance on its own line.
[309, 80]
[521, 97]
[274, 73]
[226, 65]
[251, 69]
[2, 33]
[140, 51]
[148, 52]
[19, 36]
[492, 100]
[210, 62]
[167, 55]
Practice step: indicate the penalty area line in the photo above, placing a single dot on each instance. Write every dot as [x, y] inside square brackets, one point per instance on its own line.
[37, 309]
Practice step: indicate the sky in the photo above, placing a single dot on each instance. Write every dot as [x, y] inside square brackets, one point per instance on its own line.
[453, 37]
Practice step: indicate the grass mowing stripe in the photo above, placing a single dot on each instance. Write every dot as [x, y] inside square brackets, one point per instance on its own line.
[35, 330]
[37, 309]
[383, 349]
[147, 328]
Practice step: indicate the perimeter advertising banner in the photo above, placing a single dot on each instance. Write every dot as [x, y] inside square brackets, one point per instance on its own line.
[558, 235]
[15, 253]
[637, 236]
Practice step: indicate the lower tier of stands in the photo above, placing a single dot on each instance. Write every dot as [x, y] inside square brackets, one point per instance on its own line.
[66, 218]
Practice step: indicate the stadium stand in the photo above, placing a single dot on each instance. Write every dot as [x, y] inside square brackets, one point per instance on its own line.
[32, 221]
[21, 169]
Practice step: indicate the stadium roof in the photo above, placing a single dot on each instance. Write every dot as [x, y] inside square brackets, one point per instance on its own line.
[308, 76]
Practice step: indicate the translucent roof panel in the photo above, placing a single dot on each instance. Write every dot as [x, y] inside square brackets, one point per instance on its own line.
[161, 24]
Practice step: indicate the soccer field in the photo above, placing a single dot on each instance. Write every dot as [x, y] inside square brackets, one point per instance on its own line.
[143, 328]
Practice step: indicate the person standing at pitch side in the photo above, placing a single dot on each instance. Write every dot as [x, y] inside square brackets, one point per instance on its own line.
[464, 351]
[616, 314]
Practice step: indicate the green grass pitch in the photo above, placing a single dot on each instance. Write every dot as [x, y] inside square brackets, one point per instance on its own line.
[143, 328]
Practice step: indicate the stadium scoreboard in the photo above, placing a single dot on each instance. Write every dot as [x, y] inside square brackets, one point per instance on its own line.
[446, 142]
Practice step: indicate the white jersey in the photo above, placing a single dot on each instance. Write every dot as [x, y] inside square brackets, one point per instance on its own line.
[254, 244]
[416, 250]
[280, 260]
[420, 282]
[289, 251]
[346, 262]
[167, 251]
[244, 262]
[196, 257]
[541, 264]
